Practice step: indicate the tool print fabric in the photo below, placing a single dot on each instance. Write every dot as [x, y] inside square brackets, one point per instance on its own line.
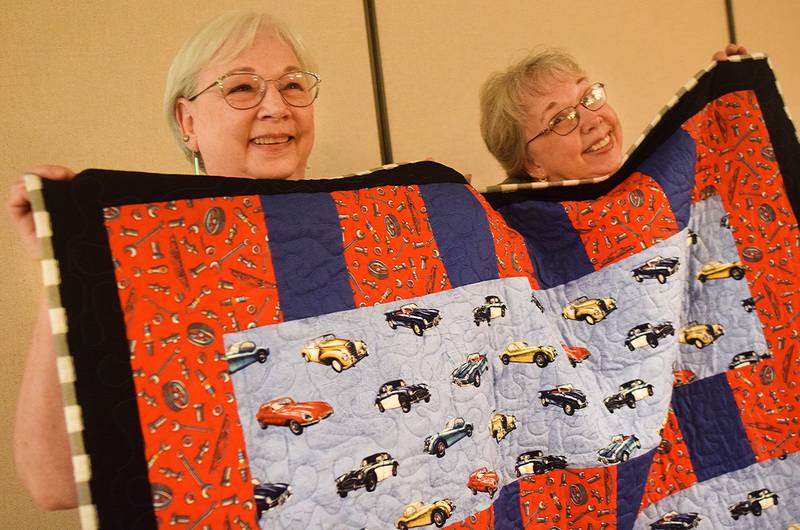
[396, 350]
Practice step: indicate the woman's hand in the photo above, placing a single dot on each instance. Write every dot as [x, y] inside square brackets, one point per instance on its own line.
[41, 443]
[730, 49]
[19, 205]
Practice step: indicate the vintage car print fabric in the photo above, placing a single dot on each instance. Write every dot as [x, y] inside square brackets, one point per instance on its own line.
[269, 496]
[373, 469]
[397, 394]
[519, 352]
[501, 425]
[590, 310]
[658, 268]
[416, 318]
[337, 353]
[628, 394]
[382, 274]
[242, 354]
[756, 502]
[648, 334]
[620, 449]
[454, 430]
[491, 309]
[538, 463]
[419, 514]
[714, 270]
[470, 372]
[287, 412]
[483, 480]
[675, 520]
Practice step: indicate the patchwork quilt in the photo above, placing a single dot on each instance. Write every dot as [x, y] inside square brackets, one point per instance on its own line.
[397, 350]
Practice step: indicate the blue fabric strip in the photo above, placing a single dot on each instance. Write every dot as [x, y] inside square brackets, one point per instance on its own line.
[507, 515]
[558, 254]
[631, 481]
[673, 167]
[461, 230]
[712, 427]
[305, 239]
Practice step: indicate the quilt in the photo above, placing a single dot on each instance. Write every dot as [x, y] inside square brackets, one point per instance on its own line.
[395, 349]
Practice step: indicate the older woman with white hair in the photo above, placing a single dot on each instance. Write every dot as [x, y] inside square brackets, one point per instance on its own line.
[239, 99]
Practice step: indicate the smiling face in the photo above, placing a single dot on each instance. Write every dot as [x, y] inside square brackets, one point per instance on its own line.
[593, 149]
[273, 140]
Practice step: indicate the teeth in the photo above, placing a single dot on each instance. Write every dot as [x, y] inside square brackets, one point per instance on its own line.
[599, 145]
[270, 141]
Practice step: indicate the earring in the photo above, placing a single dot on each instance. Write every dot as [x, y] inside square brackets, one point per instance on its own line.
[185, 137]
[196, 157]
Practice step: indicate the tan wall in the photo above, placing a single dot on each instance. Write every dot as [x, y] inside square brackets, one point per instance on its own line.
[642, 51]
[82, 87]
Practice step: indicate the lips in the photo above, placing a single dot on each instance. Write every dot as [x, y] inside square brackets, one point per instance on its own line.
[600, 144]
[271, 140]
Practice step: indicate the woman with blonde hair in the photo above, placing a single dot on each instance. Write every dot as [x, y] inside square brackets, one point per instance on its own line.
[543, 119]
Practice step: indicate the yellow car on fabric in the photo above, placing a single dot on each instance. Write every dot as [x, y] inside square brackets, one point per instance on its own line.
[500, 425]
[700, 335]
[590, 310]
[716, 270]
[519, 352]
[339, 354]
[418, 514]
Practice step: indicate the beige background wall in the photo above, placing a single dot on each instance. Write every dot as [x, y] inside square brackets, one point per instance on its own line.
[642, 51]
[82, 86]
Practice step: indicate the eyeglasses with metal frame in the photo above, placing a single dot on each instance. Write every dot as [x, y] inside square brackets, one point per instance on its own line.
[245, 90]
[567, 120]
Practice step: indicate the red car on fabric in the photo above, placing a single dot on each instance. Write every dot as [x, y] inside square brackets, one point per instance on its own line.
[286, 412]
[576, 354]
[483, 479]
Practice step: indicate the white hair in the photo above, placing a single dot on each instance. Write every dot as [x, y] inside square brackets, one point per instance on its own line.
[221, 39]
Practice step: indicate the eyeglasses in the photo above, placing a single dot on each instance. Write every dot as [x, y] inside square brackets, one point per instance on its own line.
[244, 90]
[567, 120]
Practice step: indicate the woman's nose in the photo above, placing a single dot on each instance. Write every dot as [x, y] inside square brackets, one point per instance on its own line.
[273, 105]
[590, 119]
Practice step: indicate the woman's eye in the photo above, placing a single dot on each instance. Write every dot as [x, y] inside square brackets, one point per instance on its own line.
[564, 116]
[243, 87]
[293, 86]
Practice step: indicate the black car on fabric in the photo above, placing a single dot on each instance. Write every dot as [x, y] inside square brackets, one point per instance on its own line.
[469, 373]
[675, 520]
[648, 334]
[746, 358]
[491, 309]
[749, 304]
[416, 318]
[397, 394]
[620, 449]
[757, 501]
[564, 396]
[374, 469]
[658, 268]
[269, 495]
[538, 463]
[629, 393]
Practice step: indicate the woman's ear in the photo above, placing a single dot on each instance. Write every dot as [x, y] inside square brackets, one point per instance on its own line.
[536, 171]
[185, 118]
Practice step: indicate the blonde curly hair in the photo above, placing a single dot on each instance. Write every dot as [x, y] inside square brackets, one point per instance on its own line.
[502, 104]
